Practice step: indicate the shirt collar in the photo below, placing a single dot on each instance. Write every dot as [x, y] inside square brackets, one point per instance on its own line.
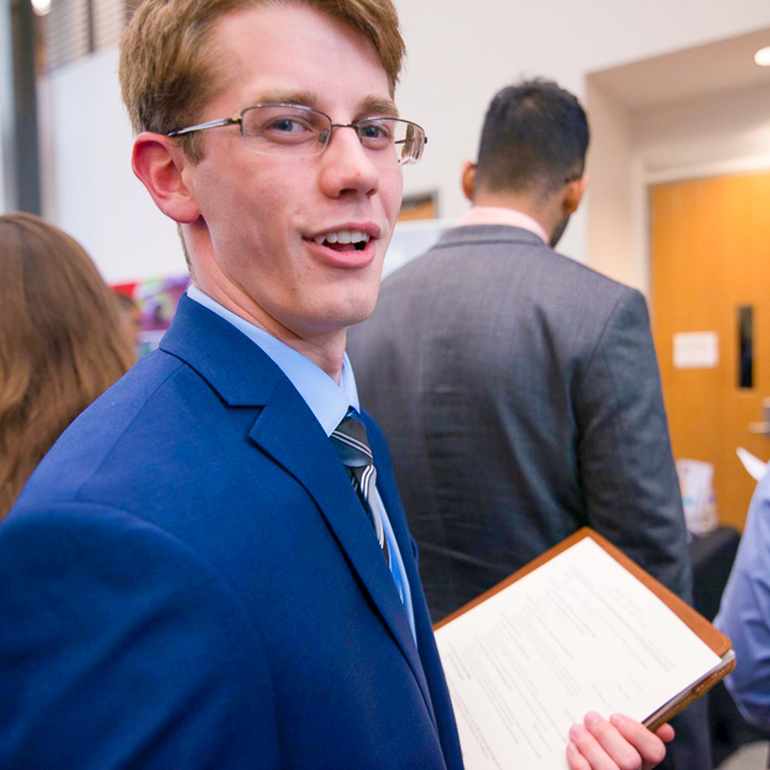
[500, 215]
[328, 401]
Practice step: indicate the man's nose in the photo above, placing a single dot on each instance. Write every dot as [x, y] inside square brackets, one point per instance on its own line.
[348, 168]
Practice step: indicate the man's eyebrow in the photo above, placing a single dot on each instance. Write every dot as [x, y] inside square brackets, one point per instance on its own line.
[376, 105]
[371, 105]
[304, 98]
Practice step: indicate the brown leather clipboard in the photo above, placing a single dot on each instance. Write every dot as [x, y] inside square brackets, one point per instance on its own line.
[718, 642]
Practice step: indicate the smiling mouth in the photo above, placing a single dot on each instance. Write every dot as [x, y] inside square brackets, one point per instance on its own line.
[343, 240]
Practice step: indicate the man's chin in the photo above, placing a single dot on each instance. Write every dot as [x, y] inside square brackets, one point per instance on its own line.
[341, 318]
[362, 301]
[359, 315]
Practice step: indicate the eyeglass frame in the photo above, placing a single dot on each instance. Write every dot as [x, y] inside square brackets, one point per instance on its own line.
[220, 122]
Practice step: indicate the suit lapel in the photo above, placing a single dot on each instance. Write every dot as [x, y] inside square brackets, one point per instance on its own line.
[288, 432]
[386, 483]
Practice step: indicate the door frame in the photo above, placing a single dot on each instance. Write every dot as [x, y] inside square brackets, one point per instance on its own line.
[683, 173]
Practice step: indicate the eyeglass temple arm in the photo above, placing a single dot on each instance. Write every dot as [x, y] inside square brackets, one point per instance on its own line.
[404, 141]
[202, 126]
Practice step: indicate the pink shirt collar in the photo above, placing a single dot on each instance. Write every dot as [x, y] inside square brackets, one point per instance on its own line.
[499, 215]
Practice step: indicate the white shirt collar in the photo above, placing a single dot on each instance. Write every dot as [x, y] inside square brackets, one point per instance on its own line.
[500, 215]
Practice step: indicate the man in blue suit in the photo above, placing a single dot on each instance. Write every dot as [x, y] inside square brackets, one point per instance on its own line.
[192, 579]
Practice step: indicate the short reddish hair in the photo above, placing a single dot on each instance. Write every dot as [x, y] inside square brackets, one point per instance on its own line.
[168, 68]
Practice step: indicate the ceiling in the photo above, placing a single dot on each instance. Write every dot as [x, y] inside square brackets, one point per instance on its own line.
[725, 65]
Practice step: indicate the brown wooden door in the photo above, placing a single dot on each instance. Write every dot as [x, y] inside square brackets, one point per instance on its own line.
[710, 262]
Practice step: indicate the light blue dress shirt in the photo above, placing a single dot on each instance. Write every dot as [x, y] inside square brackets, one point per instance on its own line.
[328, 401]
[744, 614]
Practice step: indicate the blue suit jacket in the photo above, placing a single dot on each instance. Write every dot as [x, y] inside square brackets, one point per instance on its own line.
[188, 582]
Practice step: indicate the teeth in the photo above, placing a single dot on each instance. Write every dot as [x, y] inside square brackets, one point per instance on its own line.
[342, 236]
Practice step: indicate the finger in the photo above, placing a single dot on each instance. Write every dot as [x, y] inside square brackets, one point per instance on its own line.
[603, 746]
[651, 746]
[575, 759]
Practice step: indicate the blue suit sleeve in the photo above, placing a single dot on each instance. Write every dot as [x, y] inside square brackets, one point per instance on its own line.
[120, 647]
[744, 614]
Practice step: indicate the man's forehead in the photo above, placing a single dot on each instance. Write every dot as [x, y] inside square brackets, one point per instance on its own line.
[239, 35]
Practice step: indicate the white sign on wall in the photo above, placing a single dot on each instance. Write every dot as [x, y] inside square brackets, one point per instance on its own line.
[696, 350]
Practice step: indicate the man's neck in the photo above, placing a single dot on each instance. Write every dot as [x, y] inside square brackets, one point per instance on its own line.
[326, 351]
[544, 211]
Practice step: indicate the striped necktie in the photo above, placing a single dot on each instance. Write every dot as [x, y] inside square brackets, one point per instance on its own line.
[350, 441]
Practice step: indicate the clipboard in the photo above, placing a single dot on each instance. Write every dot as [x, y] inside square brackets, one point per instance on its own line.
[712, 637]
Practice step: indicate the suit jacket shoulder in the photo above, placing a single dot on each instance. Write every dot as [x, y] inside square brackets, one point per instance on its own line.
[487, 262]
[214, 575]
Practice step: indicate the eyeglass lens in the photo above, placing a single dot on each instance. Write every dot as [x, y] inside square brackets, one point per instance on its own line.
[281, 130]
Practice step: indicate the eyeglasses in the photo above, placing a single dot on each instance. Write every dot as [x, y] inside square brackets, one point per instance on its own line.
[291, 129]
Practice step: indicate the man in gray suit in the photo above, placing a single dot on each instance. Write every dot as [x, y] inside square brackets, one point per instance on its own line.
[518, 389]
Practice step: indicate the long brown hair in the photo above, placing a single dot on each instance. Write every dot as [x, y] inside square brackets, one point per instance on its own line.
[62, 342]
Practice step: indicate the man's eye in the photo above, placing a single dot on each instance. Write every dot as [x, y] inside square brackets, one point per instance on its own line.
[375, 132]
[286, 129]
[287, 126]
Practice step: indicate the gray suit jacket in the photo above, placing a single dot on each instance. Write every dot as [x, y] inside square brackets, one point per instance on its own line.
[520, 395]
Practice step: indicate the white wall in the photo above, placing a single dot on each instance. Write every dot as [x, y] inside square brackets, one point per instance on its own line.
[611, 205]
[460, 54]
[709, 136]
[704, 136]
[90, 190]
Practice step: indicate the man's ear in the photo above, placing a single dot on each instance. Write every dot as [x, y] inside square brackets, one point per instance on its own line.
[469, 179]
[574, 194]
[160, 166]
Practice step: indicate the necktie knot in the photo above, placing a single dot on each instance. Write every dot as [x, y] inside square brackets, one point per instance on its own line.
[350, 441]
